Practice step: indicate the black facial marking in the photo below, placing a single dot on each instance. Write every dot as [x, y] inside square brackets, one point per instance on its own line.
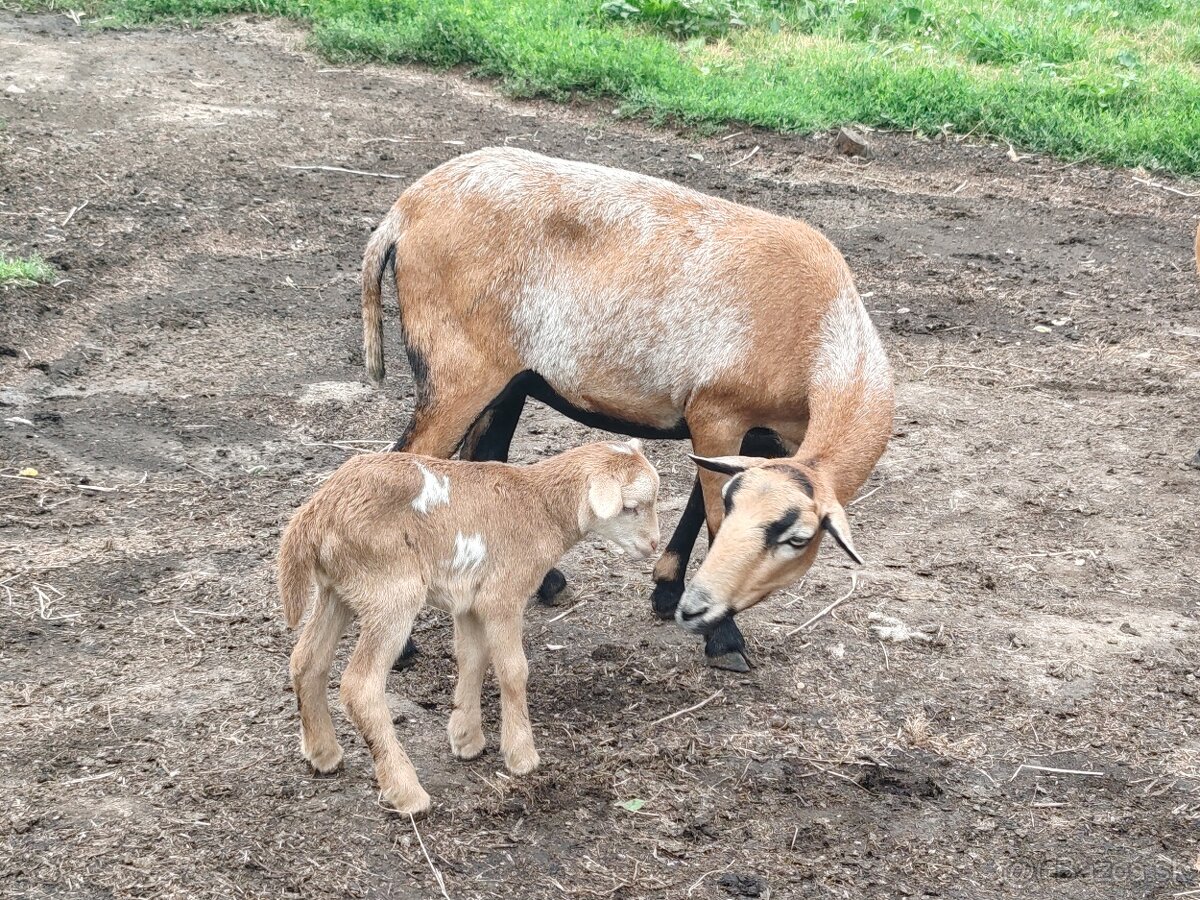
[776, 530]
[796, 475]
[732, 488]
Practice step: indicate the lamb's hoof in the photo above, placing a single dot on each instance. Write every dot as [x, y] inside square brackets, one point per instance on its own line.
[411, 802]
[326, 761]
[466, 746]
[732, 661]
[522, 762]
[407, 656]
[665, 599]
[552, 587]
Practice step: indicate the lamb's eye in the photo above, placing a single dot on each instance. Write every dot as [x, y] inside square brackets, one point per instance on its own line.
[633, 510]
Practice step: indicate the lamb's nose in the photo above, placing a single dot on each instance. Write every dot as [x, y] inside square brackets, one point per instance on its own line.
[653, 544]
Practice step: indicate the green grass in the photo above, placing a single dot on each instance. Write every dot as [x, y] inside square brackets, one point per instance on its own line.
[28, 270]
[1117, 81]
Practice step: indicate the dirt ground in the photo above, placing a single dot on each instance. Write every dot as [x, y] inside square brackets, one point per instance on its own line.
[196, 371]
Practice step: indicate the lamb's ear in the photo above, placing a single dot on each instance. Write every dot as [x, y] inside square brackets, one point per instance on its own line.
[636, 445]
[838, 526]
[604, 496]
[726, 465]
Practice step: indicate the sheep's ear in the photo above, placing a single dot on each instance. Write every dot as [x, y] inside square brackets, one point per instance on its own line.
[726, 465]
[838, 526]
[604, 496]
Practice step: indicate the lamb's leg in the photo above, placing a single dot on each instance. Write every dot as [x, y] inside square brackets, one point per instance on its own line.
[512, 671]
[310, 680]
[382, 636]
[471, 651]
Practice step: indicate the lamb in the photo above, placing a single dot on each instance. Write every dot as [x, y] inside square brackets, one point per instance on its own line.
[636, 305]
[388, 533]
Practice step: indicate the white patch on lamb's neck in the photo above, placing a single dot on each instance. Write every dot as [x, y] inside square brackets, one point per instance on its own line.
[469, 553]
[850, 353]
[434, 492]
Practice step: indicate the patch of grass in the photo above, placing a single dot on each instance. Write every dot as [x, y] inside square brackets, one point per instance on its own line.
[27, 270]
[1117, 81]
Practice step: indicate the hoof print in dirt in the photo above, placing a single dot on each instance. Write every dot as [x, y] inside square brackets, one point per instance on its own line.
[899, 782]
[744, 885]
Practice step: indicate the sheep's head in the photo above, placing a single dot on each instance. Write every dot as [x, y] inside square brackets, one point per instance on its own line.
[775, 514]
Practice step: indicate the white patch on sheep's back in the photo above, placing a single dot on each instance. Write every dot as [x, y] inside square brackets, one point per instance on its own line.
[571, 323]
[591, 330]
[469, 553]
[850, 352]
[434, 492]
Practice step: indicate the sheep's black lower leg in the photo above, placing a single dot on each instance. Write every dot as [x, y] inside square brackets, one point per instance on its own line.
[725, 648]
[671, 567]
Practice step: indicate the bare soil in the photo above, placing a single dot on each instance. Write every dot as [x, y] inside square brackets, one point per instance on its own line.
[195, 372]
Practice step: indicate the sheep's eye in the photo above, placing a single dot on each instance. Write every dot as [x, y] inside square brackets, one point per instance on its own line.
[797, 543]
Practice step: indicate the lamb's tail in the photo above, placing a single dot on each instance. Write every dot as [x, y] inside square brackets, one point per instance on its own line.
[380, 253]
[297, 559]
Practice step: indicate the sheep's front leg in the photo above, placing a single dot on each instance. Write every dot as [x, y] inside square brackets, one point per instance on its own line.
[512, 671]
[471, 651]
[363, 686]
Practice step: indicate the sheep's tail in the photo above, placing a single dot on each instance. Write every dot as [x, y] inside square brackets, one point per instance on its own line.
[379, 255]
[297, 559]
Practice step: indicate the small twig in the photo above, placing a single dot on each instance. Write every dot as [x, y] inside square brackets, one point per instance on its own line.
[1163, 187]
[565, 613]
[181, 625]
[1054, 771]
[346, 171]
[683, 712]
[700, 880]
[91, 778]
[830, 608]
[870, 492]
[71, 214]
[738, 162]
[436, 874]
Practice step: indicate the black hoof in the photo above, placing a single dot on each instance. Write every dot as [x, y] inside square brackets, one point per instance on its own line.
[730, 662]
[407, 656]
[665, 598]
[552, 585]
[725, 648]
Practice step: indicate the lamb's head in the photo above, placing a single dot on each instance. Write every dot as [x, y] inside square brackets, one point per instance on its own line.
[622, 497]
[775, 514]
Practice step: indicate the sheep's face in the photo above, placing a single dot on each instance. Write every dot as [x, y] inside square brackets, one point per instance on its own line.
[622, 501]
[774, 520]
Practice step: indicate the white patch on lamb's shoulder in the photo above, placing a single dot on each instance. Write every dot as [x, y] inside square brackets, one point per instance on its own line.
[850, 353]
[469, 552]
[434, 492]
